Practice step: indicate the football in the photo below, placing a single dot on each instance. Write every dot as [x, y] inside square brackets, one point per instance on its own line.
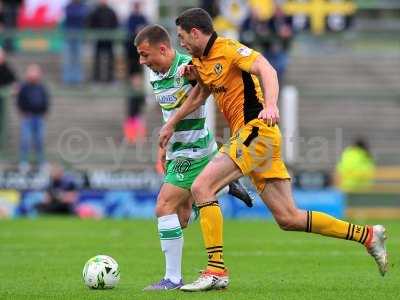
[101, 272]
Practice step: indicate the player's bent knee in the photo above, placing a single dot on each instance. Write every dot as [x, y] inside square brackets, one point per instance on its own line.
[199, 191]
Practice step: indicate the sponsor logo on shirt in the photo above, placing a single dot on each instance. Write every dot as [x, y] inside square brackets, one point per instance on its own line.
[244, 51]
[217, 89]
[166, 99]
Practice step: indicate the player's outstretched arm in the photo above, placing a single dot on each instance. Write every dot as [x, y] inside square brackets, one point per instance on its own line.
[198, 95]
[269, 80]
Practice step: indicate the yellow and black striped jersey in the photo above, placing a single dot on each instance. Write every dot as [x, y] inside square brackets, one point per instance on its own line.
[224, 69]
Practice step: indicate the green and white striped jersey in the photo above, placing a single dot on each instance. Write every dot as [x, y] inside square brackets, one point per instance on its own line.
[191, 138]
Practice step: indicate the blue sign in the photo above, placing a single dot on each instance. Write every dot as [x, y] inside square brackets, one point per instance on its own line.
[141, 204]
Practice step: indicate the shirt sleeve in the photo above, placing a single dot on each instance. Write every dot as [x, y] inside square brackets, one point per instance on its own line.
[240, 55]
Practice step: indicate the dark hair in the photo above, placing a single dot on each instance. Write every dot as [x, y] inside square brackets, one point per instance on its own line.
[362, 143]
[195, 18]
[153, 34]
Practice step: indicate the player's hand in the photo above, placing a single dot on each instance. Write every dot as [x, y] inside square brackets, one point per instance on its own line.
[270, 115]
[165, 134]
[188, 71]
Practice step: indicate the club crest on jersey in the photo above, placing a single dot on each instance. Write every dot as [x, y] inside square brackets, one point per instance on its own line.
[244, 51]
[218, 69]
[178, 81]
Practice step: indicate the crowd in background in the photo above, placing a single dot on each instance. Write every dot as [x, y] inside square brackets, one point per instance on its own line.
[32, 98]
[255, 24]
[102, 19]
[268, 30]
[269, 34]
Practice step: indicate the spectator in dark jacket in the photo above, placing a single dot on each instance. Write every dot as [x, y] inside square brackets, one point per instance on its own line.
[10, 12]
[7, 77]
[2, 17]
[74, 23]
[2, 24]
[273, 37]
[61, 194]
[103, 18]
[210, 6]
[33, 105]
[136, 21]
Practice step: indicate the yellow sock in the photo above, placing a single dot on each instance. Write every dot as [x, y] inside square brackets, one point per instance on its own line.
[327, 225]
[211, 222]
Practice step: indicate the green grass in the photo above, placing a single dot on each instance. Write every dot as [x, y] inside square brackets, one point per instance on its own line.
[43, 259]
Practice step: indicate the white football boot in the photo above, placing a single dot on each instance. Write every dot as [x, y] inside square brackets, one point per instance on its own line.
[208, 280]
[376, 247]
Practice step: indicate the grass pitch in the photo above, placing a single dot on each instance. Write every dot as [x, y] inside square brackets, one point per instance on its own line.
[43, 259]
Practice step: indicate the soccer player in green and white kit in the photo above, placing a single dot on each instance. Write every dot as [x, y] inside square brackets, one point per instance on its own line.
[190, 149]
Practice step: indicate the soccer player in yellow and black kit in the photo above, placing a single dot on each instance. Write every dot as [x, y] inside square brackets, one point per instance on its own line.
[230, 71]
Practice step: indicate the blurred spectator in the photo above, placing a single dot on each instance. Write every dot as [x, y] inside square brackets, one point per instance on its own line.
[134, 125]
[75, 19]
[10, 12]
[7, 74]
[8, 21]
[254, 31]
[7, 77]
[210, 6]
[272, 36]
[225, 27]
[32, 104]
[282, 32]
[356, 167]
[136, 21]
[2, 17]
[61, 194]
[103, 17]
[229, 15]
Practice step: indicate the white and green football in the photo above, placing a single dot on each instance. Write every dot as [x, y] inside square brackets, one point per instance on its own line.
[101, 272]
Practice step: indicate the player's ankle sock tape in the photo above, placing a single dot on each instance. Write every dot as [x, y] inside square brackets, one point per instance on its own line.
[215, 258]
[209, 203]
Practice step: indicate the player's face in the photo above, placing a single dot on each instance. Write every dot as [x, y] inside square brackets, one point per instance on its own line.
[151, 56]
[188, 42]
